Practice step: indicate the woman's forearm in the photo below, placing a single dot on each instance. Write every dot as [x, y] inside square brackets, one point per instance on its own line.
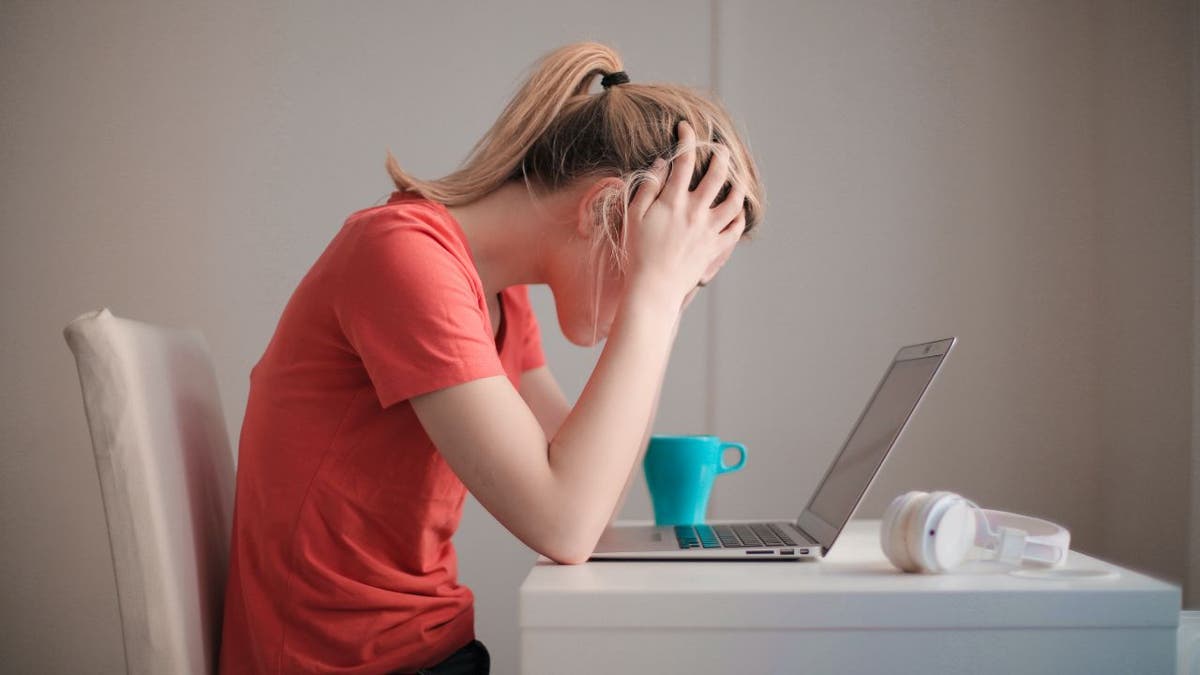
[593, 453]
[645, 435]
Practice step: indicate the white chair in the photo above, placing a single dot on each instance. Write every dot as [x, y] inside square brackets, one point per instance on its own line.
[167, 479]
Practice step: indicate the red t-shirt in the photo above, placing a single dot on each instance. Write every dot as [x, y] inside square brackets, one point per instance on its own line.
[341, 558]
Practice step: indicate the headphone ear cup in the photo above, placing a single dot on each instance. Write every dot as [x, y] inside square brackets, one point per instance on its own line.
[887, 527]
[893, 532]
[953, 528]
[916, 530]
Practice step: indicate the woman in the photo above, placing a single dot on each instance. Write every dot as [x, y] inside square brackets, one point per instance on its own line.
[407, 368]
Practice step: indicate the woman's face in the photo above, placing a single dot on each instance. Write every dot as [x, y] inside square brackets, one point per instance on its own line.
[582, 277]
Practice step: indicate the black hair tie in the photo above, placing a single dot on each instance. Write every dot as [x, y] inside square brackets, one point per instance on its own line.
[611, 79]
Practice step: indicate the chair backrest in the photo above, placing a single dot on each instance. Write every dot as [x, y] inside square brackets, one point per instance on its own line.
[167, 479]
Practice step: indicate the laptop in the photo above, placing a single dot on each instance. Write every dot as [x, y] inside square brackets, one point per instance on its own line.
[839, 493]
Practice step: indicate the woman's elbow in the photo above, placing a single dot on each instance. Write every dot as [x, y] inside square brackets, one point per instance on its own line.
[572, 530]
[566, 552]
[569, 559]
[570, 546]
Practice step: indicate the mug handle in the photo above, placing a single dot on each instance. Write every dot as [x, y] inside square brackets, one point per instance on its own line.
[721, 468]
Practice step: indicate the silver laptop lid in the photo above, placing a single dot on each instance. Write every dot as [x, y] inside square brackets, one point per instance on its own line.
[877, 429]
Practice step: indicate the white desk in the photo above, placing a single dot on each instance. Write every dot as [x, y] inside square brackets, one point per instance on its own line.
[850, 613]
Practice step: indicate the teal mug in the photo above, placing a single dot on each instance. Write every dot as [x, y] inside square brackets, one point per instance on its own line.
[679, 473]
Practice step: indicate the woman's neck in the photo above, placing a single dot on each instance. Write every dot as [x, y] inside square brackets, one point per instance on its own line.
[511, 235]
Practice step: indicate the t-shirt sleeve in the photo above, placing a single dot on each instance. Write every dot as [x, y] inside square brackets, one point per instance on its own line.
[411, 311]
[531, 343]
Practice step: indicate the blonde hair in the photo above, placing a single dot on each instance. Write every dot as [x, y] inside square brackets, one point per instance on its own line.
[554, 132]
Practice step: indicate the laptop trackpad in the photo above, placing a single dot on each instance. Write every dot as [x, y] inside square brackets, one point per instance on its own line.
[637, 538]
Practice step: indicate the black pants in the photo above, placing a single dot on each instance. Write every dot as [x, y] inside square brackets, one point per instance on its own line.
[471, 659]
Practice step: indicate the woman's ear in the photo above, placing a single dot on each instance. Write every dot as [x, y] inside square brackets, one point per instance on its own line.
[597, 194]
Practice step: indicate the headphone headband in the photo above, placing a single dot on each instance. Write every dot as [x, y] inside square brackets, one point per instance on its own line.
[1044, 541]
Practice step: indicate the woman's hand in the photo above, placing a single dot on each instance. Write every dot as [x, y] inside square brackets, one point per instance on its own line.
[676, 239]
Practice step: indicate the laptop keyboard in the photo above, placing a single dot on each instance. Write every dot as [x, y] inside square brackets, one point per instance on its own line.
[732, 536]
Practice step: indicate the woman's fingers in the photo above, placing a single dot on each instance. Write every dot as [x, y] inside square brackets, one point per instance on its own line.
[677, 238]
[724, 213]
[714, 176]
[648, 189]
[726, 242]
[683, 165]
[729, 237]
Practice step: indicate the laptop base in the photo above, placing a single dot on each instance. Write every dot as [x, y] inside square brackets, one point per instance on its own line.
[651, 542]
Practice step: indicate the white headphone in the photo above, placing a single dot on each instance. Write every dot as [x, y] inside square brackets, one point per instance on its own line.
[933, 532]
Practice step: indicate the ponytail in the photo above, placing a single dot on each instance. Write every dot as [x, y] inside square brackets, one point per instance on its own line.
[563, 75]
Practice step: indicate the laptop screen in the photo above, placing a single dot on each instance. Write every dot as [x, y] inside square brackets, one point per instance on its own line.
[852, 472]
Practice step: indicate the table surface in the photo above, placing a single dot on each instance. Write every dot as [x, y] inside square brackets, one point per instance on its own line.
[855, 586]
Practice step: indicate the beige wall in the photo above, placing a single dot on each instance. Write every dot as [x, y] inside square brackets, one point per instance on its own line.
[1193, 597]
[929, 174]
[1017, 174]
[1193, 585]
[1144, 208]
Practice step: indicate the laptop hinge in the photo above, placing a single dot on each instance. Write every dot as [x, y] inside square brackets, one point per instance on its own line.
[806, 535]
